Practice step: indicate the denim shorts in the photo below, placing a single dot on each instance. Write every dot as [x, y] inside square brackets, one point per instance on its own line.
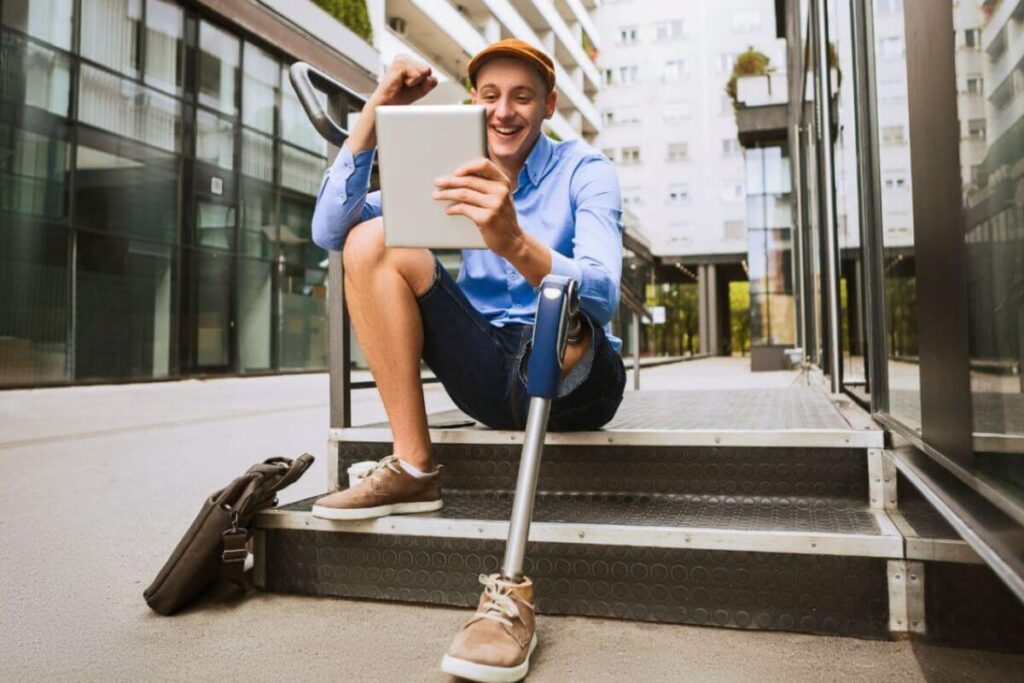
[482, 367]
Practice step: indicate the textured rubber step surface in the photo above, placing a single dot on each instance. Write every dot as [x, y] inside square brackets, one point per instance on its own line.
[820, 516]
[734, 471]
[807, 593]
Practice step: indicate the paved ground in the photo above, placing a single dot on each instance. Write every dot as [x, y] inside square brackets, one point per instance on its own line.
[99, 482]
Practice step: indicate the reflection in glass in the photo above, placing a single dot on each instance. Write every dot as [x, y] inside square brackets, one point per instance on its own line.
[164, 45]
[48, 20]
[304, 318]
[259, 220]
[215, 225]
[110, 33]
[34, 76]
[259, 89]
[123, 296]
[296, 234]
[33, 323]
[301, 171]
[257, 155]
[899, 268]
[33, 169]
[769, 228]
[131, 196]
[295, 125]
[215, 140]
[129, 109]
[218, 68]
[991, 113]
[213, 311]
[255, 307]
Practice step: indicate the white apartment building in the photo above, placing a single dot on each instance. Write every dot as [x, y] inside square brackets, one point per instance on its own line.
[446, 34]
[666, 121]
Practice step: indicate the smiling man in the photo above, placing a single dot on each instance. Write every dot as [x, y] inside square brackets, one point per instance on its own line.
[542, 207]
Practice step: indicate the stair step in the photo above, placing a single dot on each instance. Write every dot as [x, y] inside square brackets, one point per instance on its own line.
[827, 526]
[800, 417]
[696, 470]
[690, 560]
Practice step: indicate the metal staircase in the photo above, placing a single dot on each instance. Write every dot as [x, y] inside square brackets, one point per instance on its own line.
[758, 509]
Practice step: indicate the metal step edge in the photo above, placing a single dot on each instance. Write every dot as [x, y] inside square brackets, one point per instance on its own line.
[790, 438]
[886, 544]
[954, 550]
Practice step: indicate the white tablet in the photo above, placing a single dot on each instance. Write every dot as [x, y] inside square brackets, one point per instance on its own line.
[415, 144]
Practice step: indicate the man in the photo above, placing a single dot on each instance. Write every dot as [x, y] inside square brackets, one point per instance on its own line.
[542, 207]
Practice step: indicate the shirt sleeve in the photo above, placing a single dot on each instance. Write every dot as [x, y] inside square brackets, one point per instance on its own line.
[342, 201]
[596, 263]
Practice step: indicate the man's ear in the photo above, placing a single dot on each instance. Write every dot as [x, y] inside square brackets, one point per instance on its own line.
[472, 95]
[549, 106]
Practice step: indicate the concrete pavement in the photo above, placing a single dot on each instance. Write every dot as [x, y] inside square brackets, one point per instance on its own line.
[98, 483]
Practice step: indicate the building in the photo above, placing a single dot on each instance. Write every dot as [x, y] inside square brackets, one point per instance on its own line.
[446, 34]
[669, 125]
[157, 178]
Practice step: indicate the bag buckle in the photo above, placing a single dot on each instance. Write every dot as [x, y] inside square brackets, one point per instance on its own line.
[234, 545]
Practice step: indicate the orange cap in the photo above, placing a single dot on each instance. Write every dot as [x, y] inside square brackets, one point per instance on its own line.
[516, 49]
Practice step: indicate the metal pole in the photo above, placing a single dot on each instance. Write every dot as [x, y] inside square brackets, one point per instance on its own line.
[636, 351]
[339, 352]
[823, 106]
[526, 488]
[877, 369]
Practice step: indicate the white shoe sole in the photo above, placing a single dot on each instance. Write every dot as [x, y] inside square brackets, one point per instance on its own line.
[482, 673]
[379, 511]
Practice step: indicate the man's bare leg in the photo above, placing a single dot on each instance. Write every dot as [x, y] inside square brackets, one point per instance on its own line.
[381, 286]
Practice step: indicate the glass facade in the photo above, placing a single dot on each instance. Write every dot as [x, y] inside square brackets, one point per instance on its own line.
[157, 177]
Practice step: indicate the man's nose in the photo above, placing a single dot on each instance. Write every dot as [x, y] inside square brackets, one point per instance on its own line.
[504, 109]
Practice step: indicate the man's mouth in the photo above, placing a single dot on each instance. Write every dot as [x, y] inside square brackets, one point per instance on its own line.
[507, 132]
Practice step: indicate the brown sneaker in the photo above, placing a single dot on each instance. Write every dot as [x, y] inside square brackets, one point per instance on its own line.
[386, 490]
[495, 645]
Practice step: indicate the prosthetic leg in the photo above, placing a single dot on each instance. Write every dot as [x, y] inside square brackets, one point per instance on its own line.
[556, 307]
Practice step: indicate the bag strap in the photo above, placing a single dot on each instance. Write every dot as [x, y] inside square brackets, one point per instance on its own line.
[235, 539]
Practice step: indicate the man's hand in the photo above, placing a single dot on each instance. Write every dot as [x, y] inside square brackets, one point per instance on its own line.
[483, 194]
[404, 82]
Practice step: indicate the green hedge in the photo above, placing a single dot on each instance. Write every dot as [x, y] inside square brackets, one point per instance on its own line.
[352, 13]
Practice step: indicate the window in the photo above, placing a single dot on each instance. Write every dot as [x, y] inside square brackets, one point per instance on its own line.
[730, 147]
[628, 35]
[972, 38]
[608, 117]
[891, 46]
[676, 112]
[609, 75]
[726, 61]
[893, 135]
[678, 193]
[675, 70]
[668, 30]
[609, 152]
[975, 85]
[627, 74]
[630, 156]
[632, 197]
[218, 68]
[676, 152]
[732, 192]
[110, 34]
[895, 180]
[746, 20]
[976, 129]
[629, 116]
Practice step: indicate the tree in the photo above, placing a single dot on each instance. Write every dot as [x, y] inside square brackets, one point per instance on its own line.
[351, 13]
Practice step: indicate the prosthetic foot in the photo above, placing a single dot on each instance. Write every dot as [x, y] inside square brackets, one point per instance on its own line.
[495, 645]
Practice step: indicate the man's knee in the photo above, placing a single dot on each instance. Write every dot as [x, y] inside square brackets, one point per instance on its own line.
[364, 246]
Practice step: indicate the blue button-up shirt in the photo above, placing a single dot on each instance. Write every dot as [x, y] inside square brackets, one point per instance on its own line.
[567, 198]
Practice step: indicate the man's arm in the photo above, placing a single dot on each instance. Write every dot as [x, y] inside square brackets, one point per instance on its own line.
[342, 201]
[483, 194]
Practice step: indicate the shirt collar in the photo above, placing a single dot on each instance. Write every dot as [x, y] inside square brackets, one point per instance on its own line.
[537, 162]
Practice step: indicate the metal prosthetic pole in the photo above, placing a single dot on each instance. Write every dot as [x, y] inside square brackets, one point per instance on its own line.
[556, 305]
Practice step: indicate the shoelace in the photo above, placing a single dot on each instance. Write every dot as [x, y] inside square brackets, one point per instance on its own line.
[390, 462]
[498, 603]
